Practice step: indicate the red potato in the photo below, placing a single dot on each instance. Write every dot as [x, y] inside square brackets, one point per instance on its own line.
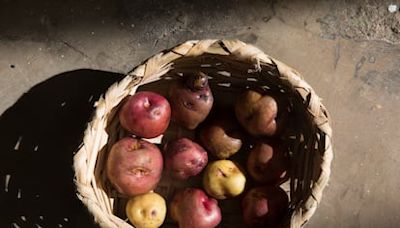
[264, 206]
[145, 114]
[184, 158]
[191, 100]
[192, 208]
[134, 166]
[268, 163]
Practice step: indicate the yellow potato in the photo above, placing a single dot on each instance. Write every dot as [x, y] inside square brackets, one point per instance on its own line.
[147, 210]
[223, 179]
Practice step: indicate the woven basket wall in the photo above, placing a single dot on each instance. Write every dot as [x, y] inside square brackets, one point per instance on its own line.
[233, 66]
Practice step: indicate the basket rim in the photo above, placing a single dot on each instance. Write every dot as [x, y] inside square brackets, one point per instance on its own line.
[151, 70]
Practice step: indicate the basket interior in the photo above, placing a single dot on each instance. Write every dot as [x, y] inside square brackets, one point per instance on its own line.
[228, 78]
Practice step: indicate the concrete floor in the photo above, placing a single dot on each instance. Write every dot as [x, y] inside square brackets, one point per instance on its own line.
[349, 53]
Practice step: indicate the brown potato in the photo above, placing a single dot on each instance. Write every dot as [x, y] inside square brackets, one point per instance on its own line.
[222, 137]
[256, 113]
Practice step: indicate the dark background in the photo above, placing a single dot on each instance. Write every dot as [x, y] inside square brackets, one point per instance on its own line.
[39, 135]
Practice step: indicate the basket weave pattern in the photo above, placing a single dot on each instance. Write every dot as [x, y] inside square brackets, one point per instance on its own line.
[311, 146]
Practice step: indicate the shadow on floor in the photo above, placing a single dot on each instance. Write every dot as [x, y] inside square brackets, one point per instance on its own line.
[38, 137]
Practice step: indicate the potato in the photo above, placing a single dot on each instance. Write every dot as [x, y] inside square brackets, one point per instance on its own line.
[223, 179]
[191, 100]
[147, 210]
[184, 158]
[192, 208]
[222, 136]
[268, 163]
[256, 113]
[145, 114]
[134, 166]
[264, 206]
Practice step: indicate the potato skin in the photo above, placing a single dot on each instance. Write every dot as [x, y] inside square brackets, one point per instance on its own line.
[145, 114]
[134, 166]
[264, 206]
[222, 136]
[256, 113]
[184, 158]
[189, 106]
[146, 210]
[268, 163]
[192, 208]
[223, 179]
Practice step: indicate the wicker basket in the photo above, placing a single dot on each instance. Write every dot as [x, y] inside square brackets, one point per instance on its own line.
[233, 66]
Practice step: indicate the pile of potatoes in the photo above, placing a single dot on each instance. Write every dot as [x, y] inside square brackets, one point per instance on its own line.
[135, 166]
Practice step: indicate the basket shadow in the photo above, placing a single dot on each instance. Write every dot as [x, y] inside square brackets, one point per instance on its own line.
[38, 137]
